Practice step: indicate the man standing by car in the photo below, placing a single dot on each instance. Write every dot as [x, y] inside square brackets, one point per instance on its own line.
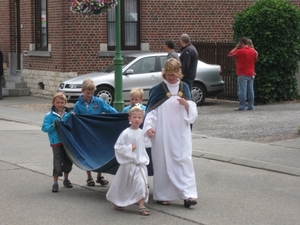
[189, 60]
[245, 63]
[169, 48]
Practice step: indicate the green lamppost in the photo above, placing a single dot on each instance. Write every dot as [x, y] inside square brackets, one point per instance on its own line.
[118, 62]
[87, 8]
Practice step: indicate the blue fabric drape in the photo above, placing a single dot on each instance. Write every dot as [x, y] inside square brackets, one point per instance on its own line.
[89, 140]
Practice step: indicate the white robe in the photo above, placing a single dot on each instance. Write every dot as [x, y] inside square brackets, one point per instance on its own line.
[130, 183]
[174, 176]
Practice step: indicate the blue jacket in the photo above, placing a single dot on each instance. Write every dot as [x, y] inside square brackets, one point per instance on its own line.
[127, 108]
[48, 125]
[95, 106]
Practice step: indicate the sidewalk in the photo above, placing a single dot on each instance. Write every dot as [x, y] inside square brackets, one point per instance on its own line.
[280, 156]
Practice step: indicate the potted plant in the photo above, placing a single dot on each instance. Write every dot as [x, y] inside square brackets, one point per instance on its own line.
[90, 7]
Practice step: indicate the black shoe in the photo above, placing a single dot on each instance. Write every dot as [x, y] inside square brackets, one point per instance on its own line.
[188, 202]
[67, 183]
[55, 187]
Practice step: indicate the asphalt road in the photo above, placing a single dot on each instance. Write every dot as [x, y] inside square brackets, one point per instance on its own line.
[229, 194]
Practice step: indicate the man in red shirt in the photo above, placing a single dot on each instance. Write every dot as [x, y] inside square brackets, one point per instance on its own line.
[245, 63]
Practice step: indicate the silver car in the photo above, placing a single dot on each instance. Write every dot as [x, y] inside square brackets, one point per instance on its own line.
[143, 70]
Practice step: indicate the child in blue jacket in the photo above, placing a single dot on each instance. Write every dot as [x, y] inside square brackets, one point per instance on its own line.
[62, 165]
[89, 104]
[136, 96]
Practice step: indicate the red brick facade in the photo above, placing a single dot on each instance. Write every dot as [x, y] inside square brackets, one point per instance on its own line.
[75, 40]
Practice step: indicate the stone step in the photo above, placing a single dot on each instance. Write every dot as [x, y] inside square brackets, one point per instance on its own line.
[15, 88]
[15, 92]
[12, 85]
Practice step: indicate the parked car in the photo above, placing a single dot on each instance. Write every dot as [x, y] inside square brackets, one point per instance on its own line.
[143, 70]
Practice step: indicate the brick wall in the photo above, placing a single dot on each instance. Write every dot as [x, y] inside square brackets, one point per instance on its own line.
[7, 18]
[75, 40]
[203, 20]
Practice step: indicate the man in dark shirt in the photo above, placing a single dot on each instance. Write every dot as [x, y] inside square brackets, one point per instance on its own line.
[189, 60]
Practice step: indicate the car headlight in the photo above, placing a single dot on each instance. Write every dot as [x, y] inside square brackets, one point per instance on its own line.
[73, 86]
[61, 85]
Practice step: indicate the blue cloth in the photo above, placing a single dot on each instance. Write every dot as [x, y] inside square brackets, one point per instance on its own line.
[95, 106]
[245, 84]
[89, 140]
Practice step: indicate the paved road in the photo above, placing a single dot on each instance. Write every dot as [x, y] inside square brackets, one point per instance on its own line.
[239, 182]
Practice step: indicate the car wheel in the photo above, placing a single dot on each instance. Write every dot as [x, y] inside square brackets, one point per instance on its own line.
[106, 93]
[198, 93]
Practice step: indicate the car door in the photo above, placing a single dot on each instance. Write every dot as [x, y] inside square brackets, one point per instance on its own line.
[144, 74]
[161, 61]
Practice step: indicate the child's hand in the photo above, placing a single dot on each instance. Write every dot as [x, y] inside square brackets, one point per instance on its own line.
[133, 147]
[150, 132]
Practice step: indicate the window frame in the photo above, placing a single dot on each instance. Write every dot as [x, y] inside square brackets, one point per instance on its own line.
[38, 26]
[123, 23]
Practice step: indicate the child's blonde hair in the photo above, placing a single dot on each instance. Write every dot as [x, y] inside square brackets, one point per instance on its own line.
[137, 92]
[88, 85]
[172, 66]
[136, 108]
[250, 43]
[59, 95]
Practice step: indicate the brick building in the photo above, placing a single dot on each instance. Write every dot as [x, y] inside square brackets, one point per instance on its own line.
[44, 43]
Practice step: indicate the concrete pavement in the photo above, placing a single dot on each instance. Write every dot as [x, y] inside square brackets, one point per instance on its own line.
[230, 193]
[280, 156]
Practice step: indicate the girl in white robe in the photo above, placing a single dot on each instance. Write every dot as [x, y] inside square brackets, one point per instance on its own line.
[130, 184]
[168, 124]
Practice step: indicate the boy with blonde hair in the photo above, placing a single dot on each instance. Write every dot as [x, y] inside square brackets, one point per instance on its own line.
[89, 104]
[136, 96]
[133, 159]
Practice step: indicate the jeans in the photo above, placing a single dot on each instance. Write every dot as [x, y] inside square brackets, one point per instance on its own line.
[61, 161]
[245, 84]
[189, 82]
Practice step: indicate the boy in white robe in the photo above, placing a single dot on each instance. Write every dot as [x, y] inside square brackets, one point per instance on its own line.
[170, 112]
[130, 184]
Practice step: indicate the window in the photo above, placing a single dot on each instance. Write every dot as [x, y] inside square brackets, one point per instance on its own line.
[130, 26]
[41, 25]
[145, 65]
[162, 62]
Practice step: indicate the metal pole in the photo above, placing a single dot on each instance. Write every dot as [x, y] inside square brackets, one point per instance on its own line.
[118, 62]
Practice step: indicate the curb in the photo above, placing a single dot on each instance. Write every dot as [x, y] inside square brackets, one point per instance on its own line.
[248, 163]
[206, 155]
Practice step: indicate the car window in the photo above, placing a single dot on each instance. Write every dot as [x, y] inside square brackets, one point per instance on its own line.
[144, 65]
[162, 62]
[111, 67]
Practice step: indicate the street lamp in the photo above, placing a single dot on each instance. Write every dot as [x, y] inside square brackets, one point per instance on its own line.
[118, 63]
[87, 8]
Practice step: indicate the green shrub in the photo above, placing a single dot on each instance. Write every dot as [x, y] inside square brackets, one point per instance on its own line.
[274, 27]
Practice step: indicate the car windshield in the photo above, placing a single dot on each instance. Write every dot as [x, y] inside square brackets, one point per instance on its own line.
[111, 67]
